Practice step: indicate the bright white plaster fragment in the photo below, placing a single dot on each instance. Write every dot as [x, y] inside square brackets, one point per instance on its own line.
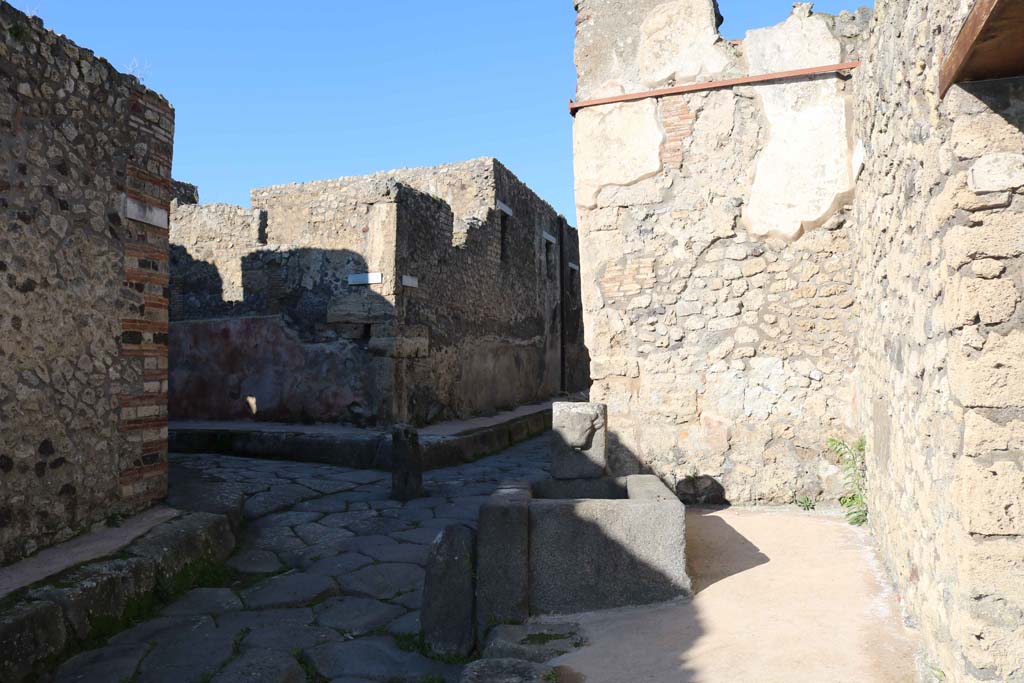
[806, 164]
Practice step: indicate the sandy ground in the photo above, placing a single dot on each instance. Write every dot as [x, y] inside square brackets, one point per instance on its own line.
[781, 596]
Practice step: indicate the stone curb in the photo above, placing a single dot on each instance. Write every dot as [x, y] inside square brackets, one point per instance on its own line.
[372, 451]
[88, 600]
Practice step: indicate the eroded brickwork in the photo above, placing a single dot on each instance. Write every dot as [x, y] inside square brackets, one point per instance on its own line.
[85, 162]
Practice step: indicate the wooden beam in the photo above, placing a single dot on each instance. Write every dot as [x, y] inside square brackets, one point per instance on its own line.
[990, 44]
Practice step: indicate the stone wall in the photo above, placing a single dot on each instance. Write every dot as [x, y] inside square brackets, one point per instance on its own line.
[940, 374]
[469, 290]
[85, 160]
[717, 270]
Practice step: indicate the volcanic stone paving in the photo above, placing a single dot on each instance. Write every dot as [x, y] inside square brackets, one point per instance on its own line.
[347, 567]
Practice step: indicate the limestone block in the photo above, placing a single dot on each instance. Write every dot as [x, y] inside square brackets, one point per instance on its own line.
[998, 237]
[805, 166]
[448, 608]
[983, 436]
[993, 377]
[973, 299]
[997, 172]
[679, 41]
[992, 497]
[579, 440]
[615, 145]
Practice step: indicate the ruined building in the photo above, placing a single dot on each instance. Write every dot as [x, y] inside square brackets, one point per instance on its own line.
[85, 165]
[409, 296]
[774, 260]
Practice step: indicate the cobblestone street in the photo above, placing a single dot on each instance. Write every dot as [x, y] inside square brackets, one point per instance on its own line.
[346, 565]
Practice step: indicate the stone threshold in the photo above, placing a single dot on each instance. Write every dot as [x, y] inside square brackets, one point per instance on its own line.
[444, 444]
[158, 553]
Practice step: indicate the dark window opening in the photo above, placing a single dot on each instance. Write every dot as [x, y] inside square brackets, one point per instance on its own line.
[505, 221]
[549, 259]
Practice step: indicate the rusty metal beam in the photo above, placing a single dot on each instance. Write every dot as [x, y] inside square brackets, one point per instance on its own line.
[714, 85]
[990, 44]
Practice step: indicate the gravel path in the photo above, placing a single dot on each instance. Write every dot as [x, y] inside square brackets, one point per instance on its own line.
[347, 578]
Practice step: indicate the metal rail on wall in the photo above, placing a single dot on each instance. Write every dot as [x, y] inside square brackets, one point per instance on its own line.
[714, 85]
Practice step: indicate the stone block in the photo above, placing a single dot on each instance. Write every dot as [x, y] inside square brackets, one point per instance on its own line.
[406, 463]
[502, 564]
[579, 441]
[186, 540]
[448, 594]
[29, 632]
[600, 554]
[997, 172]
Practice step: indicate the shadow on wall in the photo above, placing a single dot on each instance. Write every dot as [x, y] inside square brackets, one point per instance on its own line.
[296, 348]
[694, 489]
[1003, 97]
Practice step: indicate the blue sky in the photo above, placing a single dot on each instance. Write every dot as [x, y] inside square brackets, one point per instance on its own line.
[277, 92]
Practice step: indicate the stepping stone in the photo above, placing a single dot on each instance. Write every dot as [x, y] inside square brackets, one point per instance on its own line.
[423, 536]
[377, 658]
[506, 671]
[385, 580]
[356, 615]
[277, 498]
[262, 667]
[290, 590]
[288, 638]
[339, 565]
[203, 601]
[116, 663]
[407, 624]
[411, 553]
[255, 562]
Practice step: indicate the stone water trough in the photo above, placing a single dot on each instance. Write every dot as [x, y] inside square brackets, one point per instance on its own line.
[578, 542]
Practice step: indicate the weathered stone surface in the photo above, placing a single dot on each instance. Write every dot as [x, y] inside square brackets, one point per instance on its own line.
[620, 553]
[448, 614]
[502, 559]
[254, 562]
[615, 145]
[384, 580]
[294, 588]
[262, 667]
[110, 664]
[204, 601]
[997, 172]
[532, 642]
[185, 540]
[376, 658]
[356, 615]
[505, 671]
[29, 632]
[679, 42]
[578, 440]
[406, 463]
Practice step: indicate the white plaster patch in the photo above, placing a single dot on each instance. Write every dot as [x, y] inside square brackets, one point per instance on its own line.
[679, 41]
[618, 144]
[806, 163]
[410, 281]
